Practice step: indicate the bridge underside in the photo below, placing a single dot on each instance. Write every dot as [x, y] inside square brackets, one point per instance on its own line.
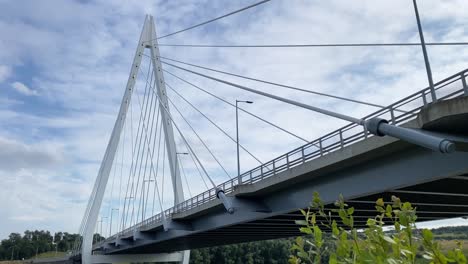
[435, 183]
[436, 200]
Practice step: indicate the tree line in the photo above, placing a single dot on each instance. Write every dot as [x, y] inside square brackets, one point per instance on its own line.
[33, 243]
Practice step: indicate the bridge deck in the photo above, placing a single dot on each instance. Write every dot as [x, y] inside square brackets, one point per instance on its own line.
[447, 198]
[361, 167]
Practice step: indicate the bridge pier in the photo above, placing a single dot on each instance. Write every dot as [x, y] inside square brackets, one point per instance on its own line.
[141, 258]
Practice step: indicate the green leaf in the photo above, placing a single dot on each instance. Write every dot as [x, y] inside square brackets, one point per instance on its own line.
[303, 255]
[342, 214]
[370, 222]
[300, 241]
[427, 256]
[301, 222]
[388, 210]
[427, 235]
[403, 219]
[316, 201]
[306, 230]
[350, 210]
[346, 221]
[380, 202]
[379, 209]
[407, 206]
[318, 235]
[295, 247]
[335, 230]
[406, 252]
[344, 237]
[389, 239]
[396, 202]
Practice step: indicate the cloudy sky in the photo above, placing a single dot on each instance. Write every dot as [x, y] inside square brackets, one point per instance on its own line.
[64, 66]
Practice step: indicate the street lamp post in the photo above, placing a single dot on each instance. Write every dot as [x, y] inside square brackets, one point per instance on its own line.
[110, 224]
[124, 217]
[102, 220]
[143, 207]
[12, 251]
[239, 179]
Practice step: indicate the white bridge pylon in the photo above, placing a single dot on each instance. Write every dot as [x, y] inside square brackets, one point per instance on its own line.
[148, 40]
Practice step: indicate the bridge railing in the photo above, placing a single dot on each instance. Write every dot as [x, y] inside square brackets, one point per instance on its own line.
[396, 113]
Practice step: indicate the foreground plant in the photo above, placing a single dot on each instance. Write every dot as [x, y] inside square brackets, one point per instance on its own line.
[334, 238]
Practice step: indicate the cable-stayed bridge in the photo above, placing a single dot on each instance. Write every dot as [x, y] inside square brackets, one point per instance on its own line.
[414, 148]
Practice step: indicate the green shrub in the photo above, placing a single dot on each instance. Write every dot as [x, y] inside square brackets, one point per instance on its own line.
[339, 241]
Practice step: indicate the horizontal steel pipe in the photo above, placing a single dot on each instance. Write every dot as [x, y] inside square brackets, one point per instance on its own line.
[380, 127]
[226, 202]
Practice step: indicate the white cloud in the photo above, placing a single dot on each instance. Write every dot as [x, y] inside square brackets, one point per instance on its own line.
[5, 72]
[23, 89]
[39, 199]
[15, 155]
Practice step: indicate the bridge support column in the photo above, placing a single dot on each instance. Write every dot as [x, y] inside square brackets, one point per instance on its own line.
[148, 39]
[139, 258]
[95, 201]
[152, 44]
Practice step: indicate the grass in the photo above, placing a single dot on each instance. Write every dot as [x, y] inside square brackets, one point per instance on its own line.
[50, 254]
[446, 245]
[451, 244]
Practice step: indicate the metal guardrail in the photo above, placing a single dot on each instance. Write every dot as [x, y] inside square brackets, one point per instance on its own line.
[396, 113]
